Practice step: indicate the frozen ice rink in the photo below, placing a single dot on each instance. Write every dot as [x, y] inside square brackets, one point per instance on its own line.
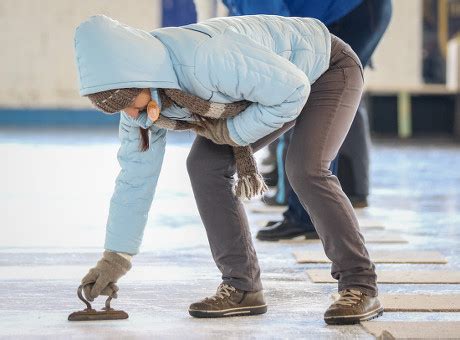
[55, 192]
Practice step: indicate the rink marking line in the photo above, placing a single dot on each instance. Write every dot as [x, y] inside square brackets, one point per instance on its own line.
[368, 237]
[395, 276]
[384, 238]
[261, 208]
[378, 256]
[413, 329]
[420, 302]
[363, 224]
[417, 302]
[367, 223]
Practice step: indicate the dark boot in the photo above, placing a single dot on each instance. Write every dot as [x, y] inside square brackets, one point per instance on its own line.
[229, 301]
[285, 230]
[358, 201]
[272, 200]
[352, 307]
[271, 178]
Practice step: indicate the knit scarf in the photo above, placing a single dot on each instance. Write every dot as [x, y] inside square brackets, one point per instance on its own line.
[250, 183]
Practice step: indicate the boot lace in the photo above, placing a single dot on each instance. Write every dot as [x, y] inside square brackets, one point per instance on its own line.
[349, 297]
[224, 290]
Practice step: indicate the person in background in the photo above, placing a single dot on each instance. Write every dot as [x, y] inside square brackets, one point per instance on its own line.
[360, 23]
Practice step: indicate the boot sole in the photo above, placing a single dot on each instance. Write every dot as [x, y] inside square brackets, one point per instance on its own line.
[241, 311]
[360, 205]
[353, 319]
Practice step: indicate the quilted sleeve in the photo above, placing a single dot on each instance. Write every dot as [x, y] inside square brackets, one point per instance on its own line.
[240, 68]
[134, 188]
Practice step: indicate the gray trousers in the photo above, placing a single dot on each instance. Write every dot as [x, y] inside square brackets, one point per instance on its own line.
[318, 133]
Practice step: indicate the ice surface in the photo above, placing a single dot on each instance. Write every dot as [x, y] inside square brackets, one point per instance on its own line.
[54, 198]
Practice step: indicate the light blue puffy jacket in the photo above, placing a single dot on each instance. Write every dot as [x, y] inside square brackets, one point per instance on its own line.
[268, 60]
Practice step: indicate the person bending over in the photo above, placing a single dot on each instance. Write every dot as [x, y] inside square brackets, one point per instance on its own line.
[239, 82]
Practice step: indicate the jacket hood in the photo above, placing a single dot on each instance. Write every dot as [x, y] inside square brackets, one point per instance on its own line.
[110, 55]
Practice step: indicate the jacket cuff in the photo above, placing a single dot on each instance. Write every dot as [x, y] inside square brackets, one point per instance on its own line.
[126, 256]
[234, 136]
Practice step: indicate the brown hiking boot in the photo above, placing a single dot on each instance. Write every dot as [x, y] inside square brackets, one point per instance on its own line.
[352, 307]
[229, 301]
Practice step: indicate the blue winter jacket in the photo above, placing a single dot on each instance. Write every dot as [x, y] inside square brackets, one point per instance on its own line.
[328, 11]
[268, 60]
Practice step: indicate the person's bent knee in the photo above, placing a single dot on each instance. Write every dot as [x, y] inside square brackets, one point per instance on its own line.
[299, 176]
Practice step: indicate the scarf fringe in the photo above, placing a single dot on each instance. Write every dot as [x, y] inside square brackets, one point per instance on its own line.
[250, 186]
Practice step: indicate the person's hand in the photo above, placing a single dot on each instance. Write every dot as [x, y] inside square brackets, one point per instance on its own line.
[101, 280]
[216, 130]
[153, 110]
[147, 118]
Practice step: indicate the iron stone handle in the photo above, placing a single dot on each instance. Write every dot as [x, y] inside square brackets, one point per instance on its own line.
[88, 304]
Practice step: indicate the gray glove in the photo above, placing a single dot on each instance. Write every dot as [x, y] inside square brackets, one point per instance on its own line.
[101, 279]
[215, 130]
